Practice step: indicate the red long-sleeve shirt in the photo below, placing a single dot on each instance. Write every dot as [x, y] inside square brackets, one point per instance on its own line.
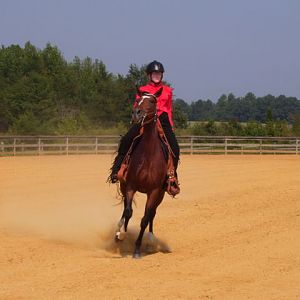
[164, 101]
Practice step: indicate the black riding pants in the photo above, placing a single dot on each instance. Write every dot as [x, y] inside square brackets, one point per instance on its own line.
[127, 139]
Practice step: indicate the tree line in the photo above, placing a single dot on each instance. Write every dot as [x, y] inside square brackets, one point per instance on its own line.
[42, 93]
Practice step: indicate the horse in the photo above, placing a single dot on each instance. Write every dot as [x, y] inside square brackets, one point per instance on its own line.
[147, 169]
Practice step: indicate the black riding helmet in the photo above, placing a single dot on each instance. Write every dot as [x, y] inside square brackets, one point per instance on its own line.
[155, 66]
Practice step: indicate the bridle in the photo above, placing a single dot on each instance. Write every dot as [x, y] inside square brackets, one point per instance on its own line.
[153, 115]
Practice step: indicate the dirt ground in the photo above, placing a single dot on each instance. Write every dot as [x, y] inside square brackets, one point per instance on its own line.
[233, 232]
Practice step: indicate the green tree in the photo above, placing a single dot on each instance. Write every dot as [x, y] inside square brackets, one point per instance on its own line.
[198, 128]
[39, 88]
[211, 128]
[180, 117]
[137, 75]
[234, 128]
[27, 123]
[254, 128]
[296, 125]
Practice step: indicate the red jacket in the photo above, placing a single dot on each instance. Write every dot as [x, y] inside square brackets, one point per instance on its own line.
[164, 101]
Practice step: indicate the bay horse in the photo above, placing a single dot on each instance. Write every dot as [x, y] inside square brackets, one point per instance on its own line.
[147, 169]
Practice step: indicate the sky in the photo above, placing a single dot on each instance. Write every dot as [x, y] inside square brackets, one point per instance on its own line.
[208, 47]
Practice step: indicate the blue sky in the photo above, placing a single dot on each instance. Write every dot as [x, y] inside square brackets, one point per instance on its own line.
[208, 47]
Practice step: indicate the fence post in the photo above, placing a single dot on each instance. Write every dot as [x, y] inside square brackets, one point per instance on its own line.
[67, 145]
[96, 145]
[260, 146]
[225, 146]
[39, 146]
[192, 145]
[297, 146]
[14, 149]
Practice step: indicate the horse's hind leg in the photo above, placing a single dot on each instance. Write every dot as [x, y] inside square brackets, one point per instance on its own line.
[144, 223]
[151, 222]
[152, 203]
[155, 205]
[150, 237]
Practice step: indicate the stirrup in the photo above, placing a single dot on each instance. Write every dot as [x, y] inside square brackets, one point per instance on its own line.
[173, 188]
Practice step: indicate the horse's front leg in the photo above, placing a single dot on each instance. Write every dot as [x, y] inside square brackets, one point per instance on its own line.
[126, 215]
[128, 208]
[120, 232]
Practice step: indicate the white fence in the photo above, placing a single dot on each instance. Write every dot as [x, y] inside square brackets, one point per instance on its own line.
[44, 145]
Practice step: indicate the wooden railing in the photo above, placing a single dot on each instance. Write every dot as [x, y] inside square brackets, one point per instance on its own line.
[44, 145]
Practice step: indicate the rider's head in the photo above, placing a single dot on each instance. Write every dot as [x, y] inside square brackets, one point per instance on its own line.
[155, 71]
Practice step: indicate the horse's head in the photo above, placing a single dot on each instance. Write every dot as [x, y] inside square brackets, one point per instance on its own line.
[145, 111]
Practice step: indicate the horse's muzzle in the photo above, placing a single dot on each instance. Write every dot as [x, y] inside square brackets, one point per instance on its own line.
[137, 115]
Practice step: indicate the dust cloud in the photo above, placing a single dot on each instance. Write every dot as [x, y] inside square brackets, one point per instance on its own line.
[150, 245]
[84, 223]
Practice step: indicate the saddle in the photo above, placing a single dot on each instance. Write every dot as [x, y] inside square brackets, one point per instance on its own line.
[171, 184]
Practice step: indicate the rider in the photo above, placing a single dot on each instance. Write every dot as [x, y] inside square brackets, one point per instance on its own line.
[155, 71]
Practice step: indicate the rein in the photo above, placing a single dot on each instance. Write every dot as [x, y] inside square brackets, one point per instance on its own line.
[154, 118]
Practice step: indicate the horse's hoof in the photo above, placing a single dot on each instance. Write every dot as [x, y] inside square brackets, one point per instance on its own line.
[120, 236]
[137, 255]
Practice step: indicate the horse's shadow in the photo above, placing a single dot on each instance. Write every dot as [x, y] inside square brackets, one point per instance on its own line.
[150, 245]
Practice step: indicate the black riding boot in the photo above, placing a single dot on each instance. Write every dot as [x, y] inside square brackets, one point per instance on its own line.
[175, 160]
[165, 123]
[124, 146]
[113, 177]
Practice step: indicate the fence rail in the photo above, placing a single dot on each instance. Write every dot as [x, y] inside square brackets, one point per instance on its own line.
[67, 145]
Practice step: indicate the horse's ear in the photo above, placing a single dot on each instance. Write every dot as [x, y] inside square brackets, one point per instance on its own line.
[138, 91]
[158, 93]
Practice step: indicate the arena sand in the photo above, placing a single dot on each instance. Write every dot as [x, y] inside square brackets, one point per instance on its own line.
[232, 233]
